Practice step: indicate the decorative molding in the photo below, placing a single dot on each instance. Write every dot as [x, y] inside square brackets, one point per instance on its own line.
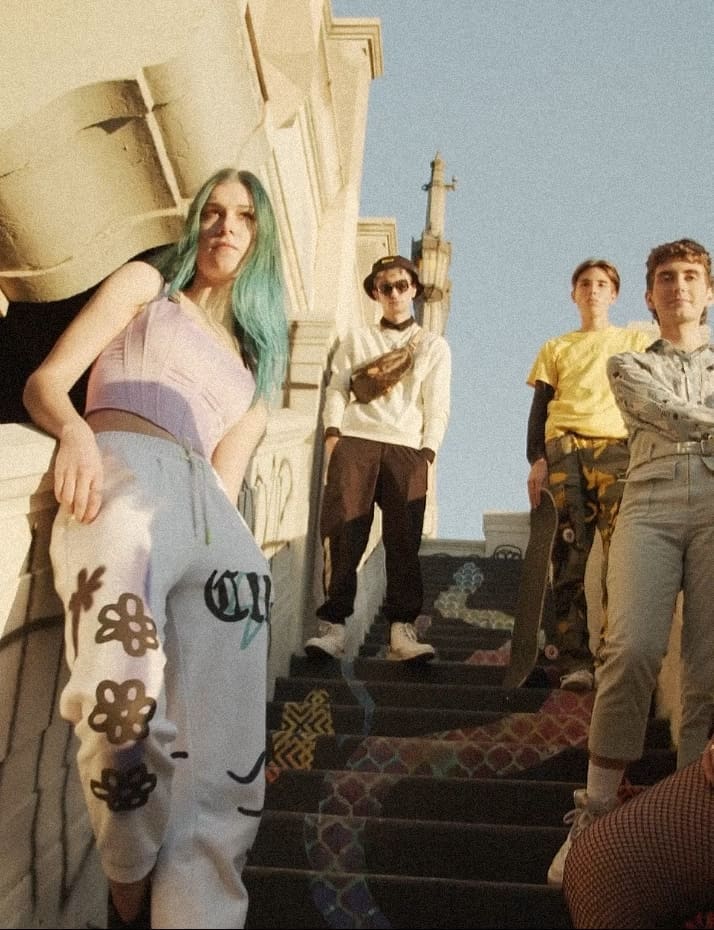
[368, 31]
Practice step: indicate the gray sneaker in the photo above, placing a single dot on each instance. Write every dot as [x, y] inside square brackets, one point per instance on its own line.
[580, 680]
[578, 820]
[404, 645]
[330, 641]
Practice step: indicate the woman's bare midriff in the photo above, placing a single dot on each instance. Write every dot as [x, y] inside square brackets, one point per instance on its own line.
[103, 421]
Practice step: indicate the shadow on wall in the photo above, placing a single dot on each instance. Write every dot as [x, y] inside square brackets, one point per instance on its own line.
[47, 849]
[27, 333]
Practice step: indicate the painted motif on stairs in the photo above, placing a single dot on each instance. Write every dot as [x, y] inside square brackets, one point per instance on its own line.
[453, 601]
[293, 745]
[333, 837]
[507, 747]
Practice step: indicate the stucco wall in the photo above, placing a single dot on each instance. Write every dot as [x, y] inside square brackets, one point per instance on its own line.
[111, 115]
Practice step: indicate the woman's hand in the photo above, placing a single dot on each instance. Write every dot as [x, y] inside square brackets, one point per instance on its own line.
[233, 453]
[79, 471]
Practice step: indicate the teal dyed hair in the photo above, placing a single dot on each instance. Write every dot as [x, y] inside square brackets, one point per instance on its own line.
[258, 293]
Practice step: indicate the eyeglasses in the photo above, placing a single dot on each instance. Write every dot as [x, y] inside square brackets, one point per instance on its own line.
[401, 286]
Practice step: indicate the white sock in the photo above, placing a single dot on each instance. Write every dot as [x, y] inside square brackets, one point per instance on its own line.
[603, 784]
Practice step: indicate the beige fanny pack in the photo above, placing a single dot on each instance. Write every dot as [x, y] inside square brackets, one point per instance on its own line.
[376, 378]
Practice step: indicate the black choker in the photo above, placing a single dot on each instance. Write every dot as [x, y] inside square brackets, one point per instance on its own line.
[387, 324]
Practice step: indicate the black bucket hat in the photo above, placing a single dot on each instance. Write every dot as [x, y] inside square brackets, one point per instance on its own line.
[392, 261]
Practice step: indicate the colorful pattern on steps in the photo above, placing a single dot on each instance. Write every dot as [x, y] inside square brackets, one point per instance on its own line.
[500, 656]
[293, 745]
[453, 601]
[504, 748]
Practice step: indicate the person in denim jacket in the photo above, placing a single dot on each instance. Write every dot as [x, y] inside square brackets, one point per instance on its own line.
[664, 538]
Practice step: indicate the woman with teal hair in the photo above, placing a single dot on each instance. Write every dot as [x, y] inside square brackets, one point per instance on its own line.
[257, 294]
[167, 595]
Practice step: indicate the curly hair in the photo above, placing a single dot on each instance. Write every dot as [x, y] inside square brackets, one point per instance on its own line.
[683, 250]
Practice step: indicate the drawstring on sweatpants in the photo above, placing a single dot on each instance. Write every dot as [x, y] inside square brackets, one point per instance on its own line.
[199, 499]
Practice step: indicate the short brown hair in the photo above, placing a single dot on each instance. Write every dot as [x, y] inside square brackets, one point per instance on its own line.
[682, 249]
[609, 269]
[685, 250]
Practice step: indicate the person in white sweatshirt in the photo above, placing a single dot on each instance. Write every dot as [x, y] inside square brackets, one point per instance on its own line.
[379, 452]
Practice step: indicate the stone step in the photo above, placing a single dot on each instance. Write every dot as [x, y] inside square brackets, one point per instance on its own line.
[443, 653]
[449, 757]
[414, 693]
[459, 635]
[391, 846]
[548, 728]
[375, 669]
[474, 800]
[315, 899]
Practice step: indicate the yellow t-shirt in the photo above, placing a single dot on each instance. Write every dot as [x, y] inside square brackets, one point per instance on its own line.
[574, 365]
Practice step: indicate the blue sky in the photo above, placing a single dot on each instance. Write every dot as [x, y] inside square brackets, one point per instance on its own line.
[574, 129]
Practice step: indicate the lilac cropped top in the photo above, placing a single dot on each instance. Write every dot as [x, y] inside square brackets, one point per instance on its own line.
[166, 368]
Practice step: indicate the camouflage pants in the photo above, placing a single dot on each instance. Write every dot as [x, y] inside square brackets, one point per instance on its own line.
[586, 477]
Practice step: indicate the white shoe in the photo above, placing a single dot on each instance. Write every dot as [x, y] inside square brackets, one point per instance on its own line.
[404, 646]
[578, 819]
[580, 680]
[330, 641]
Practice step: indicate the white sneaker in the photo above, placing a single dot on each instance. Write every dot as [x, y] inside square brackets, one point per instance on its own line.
[404, 646]
[580, 680]
[330, 640]
[578, 819]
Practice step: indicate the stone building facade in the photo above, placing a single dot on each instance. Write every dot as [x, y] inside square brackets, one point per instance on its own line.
[112, 115]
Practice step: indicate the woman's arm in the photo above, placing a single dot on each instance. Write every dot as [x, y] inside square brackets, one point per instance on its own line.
[78, 467]
[234, 451]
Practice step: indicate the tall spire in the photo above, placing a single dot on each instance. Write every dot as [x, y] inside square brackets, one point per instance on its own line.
[432, 253]
[436, 199]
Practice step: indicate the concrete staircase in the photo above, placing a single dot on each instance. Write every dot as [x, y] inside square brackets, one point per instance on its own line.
[424, 797]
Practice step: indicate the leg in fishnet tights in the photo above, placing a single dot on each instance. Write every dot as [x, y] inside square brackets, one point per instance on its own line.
[648, 863]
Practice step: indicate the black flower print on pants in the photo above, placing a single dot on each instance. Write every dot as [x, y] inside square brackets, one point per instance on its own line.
[123, 711]
[126, 622]
[124, 791]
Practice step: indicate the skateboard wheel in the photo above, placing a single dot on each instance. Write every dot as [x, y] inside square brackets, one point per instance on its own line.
[551, 652]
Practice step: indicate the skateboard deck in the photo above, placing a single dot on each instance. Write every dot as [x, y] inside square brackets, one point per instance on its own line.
[532, 591]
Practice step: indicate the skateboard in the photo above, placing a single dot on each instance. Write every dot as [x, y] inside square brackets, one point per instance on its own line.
[532, 591]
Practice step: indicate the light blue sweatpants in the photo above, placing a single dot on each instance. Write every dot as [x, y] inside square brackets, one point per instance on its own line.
[663, 541]
[167, 599]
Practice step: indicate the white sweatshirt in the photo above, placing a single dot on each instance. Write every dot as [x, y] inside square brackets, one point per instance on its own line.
[415, 412]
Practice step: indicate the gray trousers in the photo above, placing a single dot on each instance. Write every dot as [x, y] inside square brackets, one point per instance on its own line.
[663, 542]
[167, 599]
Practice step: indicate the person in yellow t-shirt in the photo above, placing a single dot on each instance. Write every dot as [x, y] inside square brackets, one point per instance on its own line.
[577, 446]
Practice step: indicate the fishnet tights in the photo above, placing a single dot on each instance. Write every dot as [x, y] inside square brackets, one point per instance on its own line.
[648, 863]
